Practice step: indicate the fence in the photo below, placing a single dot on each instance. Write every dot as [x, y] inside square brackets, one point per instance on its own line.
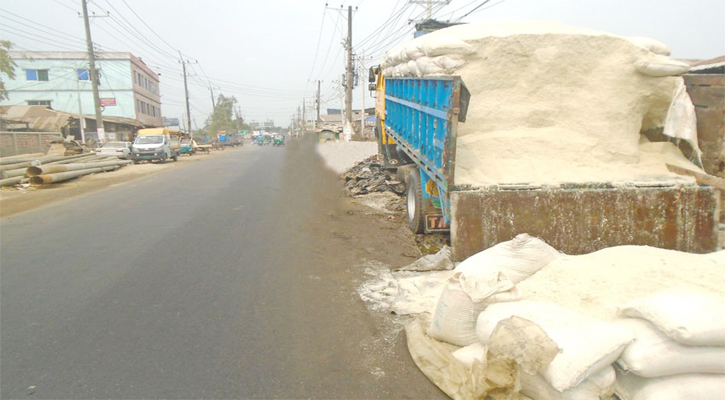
[13, 143]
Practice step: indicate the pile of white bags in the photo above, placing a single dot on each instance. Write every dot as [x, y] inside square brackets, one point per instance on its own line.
[587, 347]
[485, 278]
[641, 322]
[679, 351]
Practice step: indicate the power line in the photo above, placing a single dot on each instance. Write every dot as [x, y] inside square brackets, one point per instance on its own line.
[319, 38]
[147, 25]
[473, 10]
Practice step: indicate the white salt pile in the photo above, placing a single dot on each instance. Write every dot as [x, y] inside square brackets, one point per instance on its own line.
[552, 103]
[599, 283]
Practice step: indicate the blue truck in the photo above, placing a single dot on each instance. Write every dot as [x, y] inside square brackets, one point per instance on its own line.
[231, 140]
[416, 127]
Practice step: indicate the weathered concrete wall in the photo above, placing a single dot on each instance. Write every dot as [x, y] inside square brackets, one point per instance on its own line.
[583, 220]
[707, 92]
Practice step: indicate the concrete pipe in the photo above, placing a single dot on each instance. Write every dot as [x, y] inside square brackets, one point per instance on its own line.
[10, 167]
[12, 181]
[64, 176]
[12, 173]
[20, 158]
[40, 161]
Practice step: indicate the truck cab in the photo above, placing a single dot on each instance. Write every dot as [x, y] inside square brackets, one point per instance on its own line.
[155, 144]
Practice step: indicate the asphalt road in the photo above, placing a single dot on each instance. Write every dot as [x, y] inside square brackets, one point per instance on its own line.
[202, 281]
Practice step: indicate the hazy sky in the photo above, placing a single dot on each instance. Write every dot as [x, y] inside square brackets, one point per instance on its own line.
[269, 54]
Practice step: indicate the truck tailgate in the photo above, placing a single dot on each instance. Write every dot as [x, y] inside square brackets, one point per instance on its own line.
[585, 219]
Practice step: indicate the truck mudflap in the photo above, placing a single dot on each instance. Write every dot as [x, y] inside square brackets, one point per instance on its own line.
[583, 219]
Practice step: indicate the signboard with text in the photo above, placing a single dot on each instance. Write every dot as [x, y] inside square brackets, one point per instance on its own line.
[108, 101]
[170, 121]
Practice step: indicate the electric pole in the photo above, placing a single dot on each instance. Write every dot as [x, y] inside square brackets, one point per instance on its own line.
[348, 71]
[236, 119]
[304, 108]
[186, 94]
[213, 102]
[82, 120]
[94, 75]
[362, 89]
[317, 122]
[429, 5]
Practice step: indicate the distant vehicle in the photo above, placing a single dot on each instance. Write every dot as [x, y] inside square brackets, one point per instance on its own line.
[327, 135]
[233, 139]
[118, 149]
[278, 140]
[155, 144]
[188, 146]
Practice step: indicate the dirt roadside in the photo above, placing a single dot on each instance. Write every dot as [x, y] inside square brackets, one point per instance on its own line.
[14, 200]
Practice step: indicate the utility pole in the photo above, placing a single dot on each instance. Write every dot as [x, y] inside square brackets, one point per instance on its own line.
[317, 122]
[94, 75]
[429, 5]
[341, 90]
[236, 120]
[186, 94]
[304, 119]
[82, 120]
[213, 102]
[348, 71]
[362, 90]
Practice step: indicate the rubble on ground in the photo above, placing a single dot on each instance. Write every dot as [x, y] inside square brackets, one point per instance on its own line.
[369, 176]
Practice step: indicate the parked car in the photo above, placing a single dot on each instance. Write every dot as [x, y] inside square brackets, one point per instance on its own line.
[118, 149]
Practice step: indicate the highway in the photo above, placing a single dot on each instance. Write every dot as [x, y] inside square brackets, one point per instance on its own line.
[203, 281]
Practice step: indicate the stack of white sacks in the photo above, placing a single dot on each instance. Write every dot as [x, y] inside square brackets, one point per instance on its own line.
[679, 351]
[670, 345]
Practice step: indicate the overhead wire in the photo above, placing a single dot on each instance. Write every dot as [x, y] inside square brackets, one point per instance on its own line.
[473, 10]
[317, 48]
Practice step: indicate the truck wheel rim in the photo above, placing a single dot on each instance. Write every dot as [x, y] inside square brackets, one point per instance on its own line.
[411, 203]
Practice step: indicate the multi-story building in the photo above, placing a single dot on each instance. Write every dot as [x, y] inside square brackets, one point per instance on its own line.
[127, 87]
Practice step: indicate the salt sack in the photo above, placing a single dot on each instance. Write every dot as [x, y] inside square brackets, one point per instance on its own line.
[597, 386]
[485, 278]
[454, 318]
[587, 345]
[690, 317]
[653, 354]
[676, 387]
[470, 354]
[517, 259]
[552, 103]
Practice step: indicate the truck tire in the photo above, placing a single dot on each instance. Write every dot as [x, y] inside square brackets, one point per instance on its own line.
[414, 202]
[175, 157]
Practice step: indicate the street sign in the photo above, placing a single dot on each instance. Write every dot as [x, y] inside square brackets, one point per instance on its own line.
[108, 101]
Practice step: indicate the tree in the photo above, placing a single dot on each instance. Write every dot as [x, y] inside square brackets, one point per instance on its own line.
[221, 120]
[7, 66]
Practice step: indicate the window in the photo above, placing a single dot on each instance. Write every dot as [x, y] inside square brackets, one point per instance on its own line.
[38, 102]
[83, 75]
[36, 74]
